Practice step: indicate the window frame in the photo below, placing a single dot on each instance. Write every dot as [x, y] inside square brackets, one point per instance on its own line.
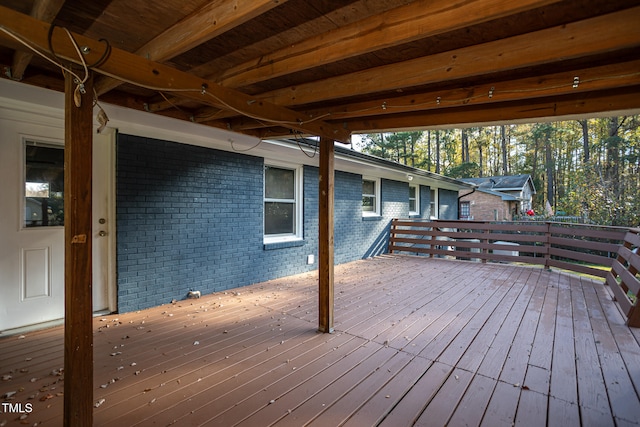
[376, 188]
[298, 200]
[433, 203]
[465, 205]
[416, 199]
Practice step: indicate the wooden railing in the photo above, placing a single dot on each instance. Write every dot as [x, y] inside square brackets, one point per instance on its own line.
[623, 277]
[606, 252]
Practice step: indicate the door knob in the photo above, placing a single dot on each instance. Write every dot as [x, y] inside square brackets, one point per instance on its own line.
[102, 233]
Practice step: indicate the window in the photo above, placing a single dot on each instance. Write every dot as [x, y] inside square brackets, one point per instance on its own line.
[465, 210]
[414, 200]
[43, 184]
[370, 197]
[282, 206]
[433, 204]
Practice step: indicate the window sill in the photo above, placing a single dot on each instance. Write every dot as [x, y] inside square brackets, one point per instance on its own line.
[371, 217]
[283, 244]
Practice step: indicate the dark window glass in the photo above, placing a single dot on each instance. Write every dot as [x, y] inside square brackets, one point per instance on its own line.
[44, 185]
[279, 201]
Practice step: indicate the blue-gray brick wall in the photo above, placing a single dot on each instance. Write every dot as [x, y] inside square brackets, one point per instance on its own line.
[191, 218]
[425, 202]
[448, 204]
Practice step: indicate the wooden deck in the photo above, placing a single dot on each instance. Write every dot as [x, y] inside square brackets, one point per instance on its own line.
[417, 341]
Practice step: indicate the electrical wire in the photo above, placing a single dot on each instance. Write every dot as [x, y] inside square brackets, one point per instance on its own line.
[315, 149]
[244, 150]
[38, 52]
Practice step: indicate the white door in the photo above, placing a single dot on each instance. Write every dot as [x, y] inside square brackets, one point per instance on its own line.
[31, 230]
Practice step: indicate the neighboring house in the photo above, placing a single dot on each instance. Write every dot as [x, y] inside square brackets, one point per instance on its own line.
[180, 207]
[497, 198]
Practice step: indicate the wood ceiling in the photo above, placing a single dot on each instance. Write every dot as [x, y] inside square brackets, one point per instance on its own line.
[272, 68]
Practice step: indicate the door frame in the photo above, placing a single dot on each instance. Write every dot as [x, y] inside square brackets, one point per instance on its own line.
[109, 136]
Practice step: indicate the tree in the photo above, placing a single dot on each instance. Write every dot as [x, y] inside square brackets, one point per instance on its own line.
[503, 145]
[464, 170]
[588, 167]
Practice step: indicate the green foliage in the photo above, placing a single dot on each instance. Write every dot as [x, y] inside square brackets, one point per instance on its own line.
[464, 170]
[605, 190]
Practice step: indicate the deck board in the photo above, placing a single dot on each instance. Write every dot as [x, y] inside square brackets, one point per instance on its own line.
[417, 341]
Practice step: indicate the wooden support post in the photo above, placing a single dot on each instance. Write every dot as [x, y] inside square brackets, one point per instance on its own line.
[325, 235]
[78, 330]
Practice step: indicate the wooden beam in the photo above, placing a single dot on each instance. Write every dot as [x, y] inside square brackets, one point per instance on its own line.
[553, 107]
[325, 235]
[603, 34]
[78, 330]
[205, 23]
[555, 84]
[43, 10]
[404, 24]
[408, 23]
[143, 72]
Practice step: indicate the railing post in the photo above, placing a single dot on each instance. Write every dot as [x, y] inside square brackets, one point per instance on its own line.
[392, 235]
[485, 242]
[547, 246]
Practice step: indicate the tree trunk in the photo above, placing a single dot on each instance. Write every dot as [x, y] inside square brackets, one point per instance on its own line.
[414, 138]
[429, 150]
[550, 169]
[437, 151]
[480, 161]
[586, 155]
[465, 146]
[503, 140]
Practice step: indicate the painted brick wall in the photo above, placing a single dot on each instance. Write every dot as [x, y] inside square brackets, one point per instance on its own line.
[190, 218]
[425, 202]
[361, 237]
[448, 204]
[179, 212]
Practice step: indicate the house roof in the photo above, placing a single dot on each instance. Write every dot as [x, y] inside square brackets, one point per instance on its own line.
[331, 68]
[502, 183]
[403, 170]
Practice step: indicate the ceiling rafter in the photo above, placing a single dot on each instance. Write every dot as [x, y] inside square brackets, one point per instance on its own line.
[204, 24]
[150, 74]
[415, 21]
[564, 83]
[288, 65]
[43, 10]
[502, 55]
[411, 22]
[556, 84]
[601, 34]
[549, 107]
